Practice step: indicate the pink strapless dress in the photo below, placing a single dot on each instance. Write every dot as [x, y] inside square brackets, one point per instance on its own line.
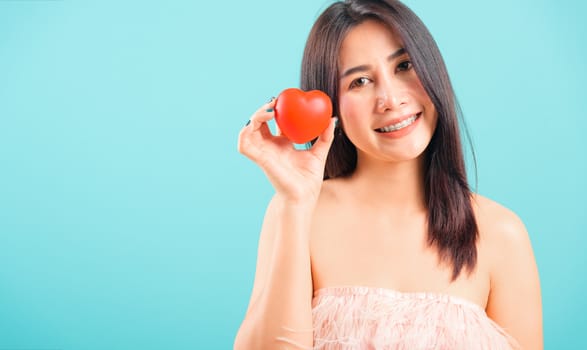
[368, 318]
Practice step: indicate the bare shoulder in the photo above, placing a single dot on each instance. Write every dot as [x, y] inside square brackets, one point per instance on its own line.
[498, 223]
[514, 298]
[503, 235]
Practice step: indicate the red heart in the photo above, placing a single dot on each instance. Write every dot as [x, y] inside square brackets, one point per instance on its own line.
[302, 116]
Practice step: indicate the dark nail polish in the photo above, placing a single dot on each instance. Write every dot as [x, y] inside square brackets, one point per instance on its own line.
[269, 110]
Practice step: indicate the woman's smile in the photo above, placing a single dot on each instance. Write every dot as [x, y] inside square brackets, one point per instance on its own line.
[398, 125]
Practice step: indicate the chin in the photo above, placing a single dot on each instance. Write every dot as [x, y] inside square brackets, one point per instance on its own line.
[413, 150]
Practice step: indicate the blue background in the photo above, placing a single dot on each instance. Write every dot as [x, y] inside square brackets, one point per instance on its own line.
[129, 221]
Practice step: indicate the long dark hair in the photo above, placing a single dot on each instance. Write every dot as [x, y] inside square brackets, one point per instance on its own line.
[452, 228]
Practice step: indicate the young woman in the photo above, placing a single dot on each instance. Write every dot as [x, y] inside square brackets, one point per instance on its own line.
[373, 239]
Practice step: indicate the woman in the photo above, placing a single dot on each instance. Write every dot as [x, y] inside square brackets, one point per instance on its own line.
[373, 239]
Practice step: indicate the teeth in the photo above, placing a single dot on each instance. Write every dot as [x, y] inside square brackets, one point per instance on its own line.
[399, 125]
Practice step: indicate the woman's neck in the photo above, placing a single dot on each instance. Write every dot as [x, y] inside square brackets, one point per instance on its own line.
[395, 186]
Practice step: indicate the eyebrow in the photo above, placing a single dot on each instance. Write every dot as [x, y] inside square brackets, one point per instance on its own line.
[366, 67]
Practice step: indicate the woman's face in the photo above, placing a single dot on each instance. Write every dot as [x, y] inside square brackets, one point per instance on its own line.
[384, 108]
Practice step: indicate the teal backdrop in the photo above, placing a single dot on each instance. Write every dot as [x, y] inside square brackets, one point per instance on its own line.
[128, 220]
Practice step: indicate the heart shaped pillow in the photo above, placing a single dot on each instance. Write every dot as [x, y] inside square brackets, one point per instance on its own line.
[302, 116]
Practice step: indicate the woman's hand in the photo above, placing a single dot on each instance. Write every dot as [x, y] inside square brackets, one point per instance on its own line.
[295, 174]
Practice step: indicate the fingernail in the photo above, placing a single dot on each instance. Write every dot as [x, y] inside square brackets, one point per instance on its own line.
[269, 110]
[248, 122]
[271, 99]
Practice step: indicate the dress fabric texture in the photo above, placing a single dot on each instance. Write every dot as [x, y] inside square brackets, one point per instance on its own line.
[352, 318]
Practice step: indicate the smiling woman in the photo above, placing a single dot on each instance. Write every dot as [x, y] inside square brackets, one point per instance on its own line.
[374, 238]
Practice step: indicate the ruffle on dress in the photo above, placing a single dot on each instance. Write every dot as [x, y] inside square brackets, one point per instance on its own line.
[365, 318]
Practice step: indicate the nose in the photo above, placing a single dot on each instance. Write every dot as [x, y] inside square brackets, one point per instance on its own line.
[391, 95]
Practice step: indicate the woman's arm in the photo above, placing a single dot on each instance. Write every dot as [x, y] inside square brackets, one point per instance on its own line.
[279, 315]
[514, 299]
[280, 310]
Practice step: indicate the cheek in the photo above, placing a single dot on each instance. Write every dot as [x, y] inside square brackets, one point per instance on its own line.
[343, 105]
[415, 85]
[344, 110]
[350, 107]
[420, 92]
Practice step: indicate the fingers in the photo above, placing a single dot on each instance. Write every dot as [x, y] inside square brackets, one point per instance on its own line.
[260, 118]
[256, 125]
[322, 144]
[262, 115]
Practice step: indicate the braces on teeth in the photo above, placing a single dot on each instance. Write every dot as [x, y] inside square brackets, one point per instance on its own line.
[399, 125]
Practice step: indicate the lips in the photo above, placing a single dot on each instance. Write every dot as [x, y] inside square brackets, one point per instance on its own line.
[399, 124]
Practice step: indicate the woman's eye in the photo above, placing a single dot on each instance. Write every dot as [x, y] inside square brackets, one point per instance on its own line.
[404, 66]
[359, 82]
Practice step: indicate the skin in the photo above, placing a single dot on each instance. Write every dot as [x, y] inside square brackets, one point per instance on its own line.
[377, 216]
